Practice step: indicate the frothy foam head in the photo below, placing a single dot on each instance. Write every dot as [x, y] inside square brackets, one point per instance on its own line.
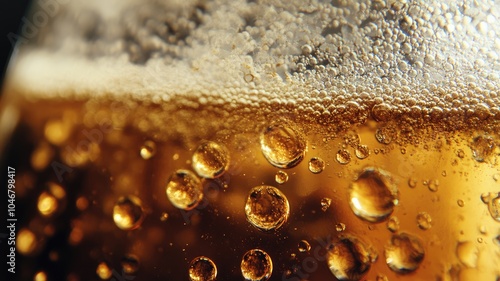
[368, 57]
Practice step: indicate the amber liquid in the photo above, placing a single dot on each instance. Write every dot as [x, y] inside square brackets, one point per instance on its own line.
[92, 149]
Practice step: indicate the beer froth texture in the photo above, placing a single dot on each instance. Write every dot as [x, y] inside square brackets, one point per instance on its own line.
[378, 58]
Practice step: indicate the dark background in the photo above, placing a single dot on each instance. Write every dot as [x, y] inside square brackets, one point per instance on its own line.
[11, 13]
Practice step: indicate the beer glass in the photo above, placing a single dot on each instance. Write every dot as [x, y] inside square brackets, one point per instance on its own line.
[253, 140]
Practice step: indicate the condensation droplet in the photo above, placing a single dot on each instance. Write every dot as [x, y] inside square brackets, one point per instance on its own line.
[460, 203]
[343, 157]
[304, 246]
[339, 227]
[148, 149]
[482, 147]
[325, 204]
[281, 177]
[424, 220]
[202, 269]
[362, 151]
[130, 264]
[316, 165]
[128, 213]
[184, 190]
[210, 160]
[393, 224]
[103, 271]
[267, 208]
[283, 146]
[40, 276]
[26, 241]
[164, 216]
[467, 253]
[349, 258]
[256, 265]
[404, 253]
[373, 195]
[492, 199]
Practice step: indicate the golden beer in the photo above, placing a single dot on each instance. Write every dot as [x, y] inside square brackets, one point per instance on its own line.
[268, 140]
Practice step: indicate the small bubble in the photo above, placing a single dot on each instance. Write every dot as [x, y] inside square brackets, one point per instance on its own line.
[412, 182]
[51, 200]
[325, 204]
[404, 253]
[148, 150]
[184, 190]
[460, 153]
[304, 246]
[164, 216]
[267, 208]
[103, 271]
[343, 156]
[424, 220]
[362, 151]
[482, 147]
[460, 203]
[443, 173]
[283, 146]
[26, 241]
[384, 135]
[40, 276]
[349, 258]
[281, 177]
[381, 277]
[210, 160]
[480, 240]
[316, 165]
[433, 185]
[130, 264]
[393, 224]
[373, 195]
[57, 131]
[339, 227]
[492, 199]
[256, 265]
[403, 151]
[467, 253]
[496, 177]
[128, 213]
[202, 269]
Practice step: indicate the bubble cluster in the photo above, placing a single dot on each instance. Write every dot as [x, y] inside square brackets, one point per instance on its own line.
[256, 265]
[184, 190]
[267, 208]
[282, 145]
[210, 160]
[128, 213]
[373, 195]
[349, 258]
[404, 253]
[202, 269]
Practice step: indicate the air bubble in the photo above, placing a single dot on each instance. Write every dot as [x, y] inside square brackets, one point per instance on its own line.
[267, 208]
[467, 253]
[256, 265]
[202, 269]
[281, 177]
[283, 146]
[40, 276]
[393, 224]
[349, 258]
[210, 160]
[412, 182]
[404, 253]
[373, 195]
[148, 150]
[424, 220]
[343, 157]
[460, 203]
[184, 190]
[316, 165]
[304, 246]
[325, 204]
[493, 201]
[339, 227]
[130, 264]
[164, 216]
[128, 213]
[482, 147]
[362, 151]
[103, 271]
[51, 200]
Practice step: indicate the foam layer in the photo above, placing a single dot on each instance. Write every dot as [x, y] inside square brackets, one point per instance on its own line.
[317, 57]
